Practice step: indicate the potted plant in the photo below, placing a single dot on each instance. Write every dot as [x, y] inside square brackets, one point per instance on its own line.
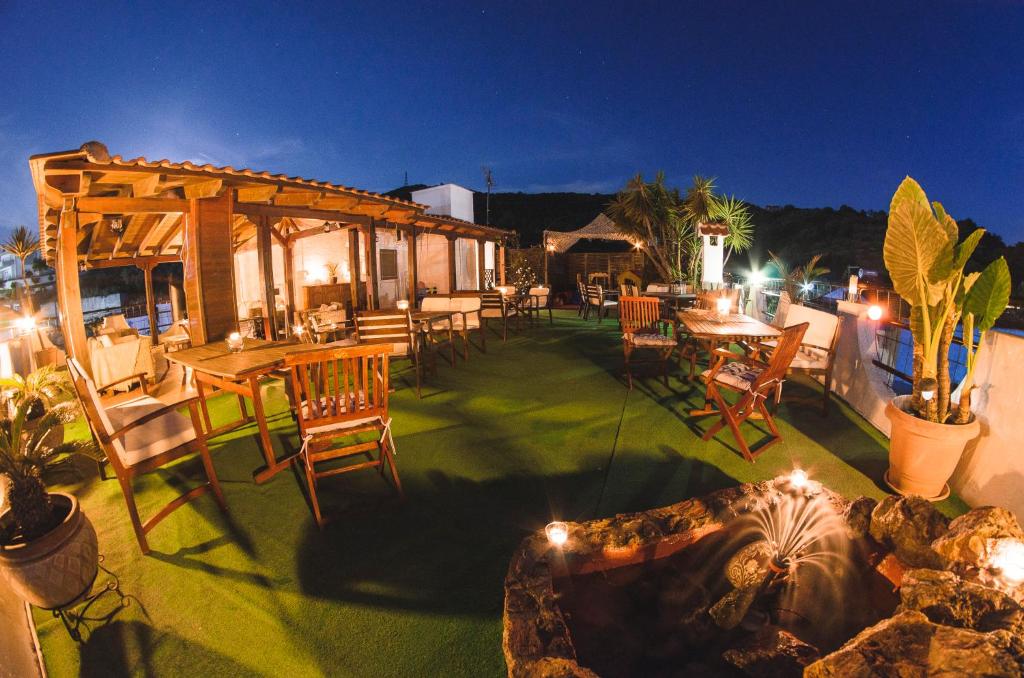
[48, 549]
[44, 389]
[926, 259]
[332, 271]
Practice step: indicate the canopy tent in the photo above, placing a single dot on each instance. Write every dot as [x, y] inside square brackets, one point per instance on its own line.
[601, 228]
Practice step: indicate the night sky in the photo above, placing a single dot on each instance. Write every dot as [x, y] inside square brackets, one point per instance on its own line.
[812, 104]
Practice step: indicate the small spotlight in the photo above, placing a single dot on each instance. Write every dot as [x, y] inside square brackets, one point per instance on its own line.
[298, 330]
[638, 245]
[928, 387]
[875, 312]
[25, 324]
[798, 479]
[1008, 558]
[756, 278]
[403, 304]
[807, 287]
[117, 225]
[557, 533]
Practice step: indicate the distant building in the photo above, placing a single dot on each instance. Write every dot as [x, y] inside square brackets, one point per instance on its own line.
[449, 200]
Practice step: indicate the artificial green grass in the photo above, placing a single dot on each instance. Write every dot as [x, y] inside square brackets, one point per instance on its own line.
[539, 427]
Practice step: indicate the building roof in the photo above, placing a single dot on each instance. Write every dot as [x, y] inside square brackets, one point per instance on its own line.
[134, 208]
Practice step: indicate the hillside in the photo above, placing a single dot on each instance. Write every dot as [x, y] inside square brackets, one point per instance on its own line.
[845, 236]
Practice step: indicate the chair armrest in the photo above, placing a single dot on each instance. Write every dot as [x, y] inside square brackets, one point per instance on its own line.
[141, 376]
[146, 418]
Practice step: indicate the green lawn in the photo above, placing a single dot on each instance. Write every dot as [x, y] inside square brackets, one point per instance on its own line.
[539, 427]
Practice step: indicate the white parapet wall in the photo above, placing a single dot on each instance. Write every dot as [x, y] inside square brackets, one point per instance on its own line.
[991, 472]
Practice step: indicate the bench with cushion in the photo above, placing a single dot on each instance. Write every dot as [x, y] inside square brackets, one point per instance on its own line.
[465, 310]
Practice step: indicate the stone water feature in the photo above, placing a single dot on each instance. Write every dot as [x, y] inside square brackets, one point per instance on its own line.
[779, 578]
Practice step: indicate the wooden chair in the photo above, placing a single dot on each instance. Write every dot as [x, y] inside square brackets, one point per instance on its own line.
[599, 279]
[340, 394]
[628, 289]
[597, 300]
[630, 278]
[141, 435]
[494, 307]
[817, 353]
[755, 381]
[581, 288]
[393, 330]
[642, 328]
[538, 299]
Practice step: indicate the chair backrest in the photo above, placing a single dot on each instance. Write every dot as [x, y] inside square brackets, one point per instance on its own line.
[596, 278]
[782, 356]
[593, 294]
[334, 385]
[384, 327]
[466, 303]
[823, 330]
[539, 296]
[629, 289]
[630, 278]
[95, 413]
[782, 310]
[492, 301]
[707, 299]
[639, 313]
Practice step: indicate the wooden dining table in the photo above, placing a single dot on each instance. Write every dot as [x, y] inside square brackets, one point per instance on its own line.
[708, 326]
[215, 366]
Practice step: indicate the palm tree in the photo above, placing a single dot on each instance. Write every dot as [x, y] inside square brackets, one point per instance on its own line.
[22, 243]
[651, 215]
[702, 205]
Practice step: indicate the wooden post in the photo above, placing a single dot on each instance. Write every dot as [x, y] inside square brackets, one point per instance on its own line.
[501, 263]
[69, 292]
[411, 265]
[208, 263]
[371, 266]
[353, 267]
[289, 285]
[480, 264]
[147, 276]
[547, 255]
[451, 264]
[265, 265]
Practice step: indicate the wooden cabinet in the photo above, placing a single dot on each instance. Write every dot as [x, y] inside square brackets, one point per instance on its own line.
[315, 295]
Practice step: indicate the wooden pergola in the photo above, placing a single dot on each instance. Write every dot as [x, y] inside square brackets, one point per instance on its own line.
[98, 211]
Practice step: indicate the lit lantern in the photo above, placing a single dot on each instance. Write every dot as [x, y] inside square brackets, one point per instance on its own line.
[403, 304]
[235, 342]
[557, 533]
[713, 236]
[723, 305]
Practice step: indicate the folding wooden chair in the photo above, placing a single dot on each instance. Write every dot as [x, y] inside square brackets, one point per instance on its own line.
[538, 299]
[642, 328]
[581, 287]
[394, 331]
[755, 382]
[598, 300]
[342, 393]
[142, 435]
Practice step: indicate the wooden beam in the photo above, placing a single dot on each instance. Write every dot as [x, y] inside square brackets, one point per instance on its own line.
[289, 285]
[69, 292]
[132, 205]
[250, 194]
[203, 189]
[133, 261]
[371, 266]
[166, 221]
[146, 186]
[451, 265]
[147, 275]
[278, 211]
[297, 198]
[501, 263]
[265, 266]
[411, 266]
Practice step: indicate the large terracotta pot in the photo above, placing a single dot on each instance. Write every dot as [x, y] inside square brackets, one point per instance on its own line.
[923, 454]
[57, 569]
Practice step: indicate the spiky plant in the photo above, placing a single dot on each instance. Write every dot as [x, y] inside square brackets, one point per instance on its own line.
[651, 213]
[22, 243]
[25, 457]
[46, 387]
[798, 280]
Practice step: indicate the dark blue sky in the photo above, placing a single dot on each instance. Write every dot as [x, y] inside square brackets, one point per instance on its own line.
[817, 103]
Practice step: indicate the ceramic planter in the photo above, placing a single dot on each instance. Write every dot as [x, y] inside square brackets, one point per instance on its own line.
[57, 569]
[924, 454]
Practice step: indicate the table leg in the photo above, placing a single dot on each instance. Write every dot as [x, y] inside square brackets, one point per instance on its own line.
[709, 407]
[201, 392]
[274, 465]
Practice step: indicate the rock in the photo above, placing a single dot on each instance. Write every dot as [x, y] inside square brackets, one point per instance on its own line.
[731, 608]
[554, 667]
[746, 571]
[947, 599]
[969, 536]
[908, 526]
[771, 652]
[910, 645]
[858, 517]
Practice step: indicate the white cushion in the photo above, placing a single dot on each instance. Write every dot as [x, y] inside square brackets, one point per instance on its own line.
[152, 438]
[540, 294]
[648, 339]
[658, 287]
[436, 304]
[808, 358]
[821, 328]
[106, 341]
[339, 426]
[737, 374]
[466, 304]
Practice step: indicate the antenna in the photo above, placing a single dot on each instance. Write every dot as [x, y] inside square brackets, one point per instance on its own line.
[489, 180]
[406, 178]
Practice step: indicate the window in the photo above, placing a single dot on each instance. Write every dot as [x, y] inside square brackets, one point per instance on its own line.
[388, 264]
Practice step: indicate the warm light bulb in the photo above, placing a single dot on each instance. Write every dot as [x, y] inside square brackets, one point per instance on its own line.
[1008, 557]
[25, 324]
[875, 312]
[722, 305]
[638, 245]
[298, 330]
[557, 533]
[403, 305]
[234, 336]
[927, 395]
[798, 479]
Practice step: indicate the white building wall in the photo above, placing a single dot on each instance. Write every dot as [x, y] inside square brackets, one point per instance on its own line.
[449, 200]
